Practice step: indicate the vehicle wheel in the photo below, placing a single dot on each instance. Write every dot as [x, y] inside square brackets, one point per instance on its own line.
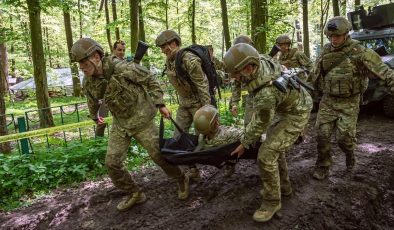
[388, 106]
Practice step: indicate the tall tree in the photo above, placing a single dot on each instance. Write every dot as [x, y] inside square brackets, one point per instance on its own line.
[107, 30]
[69, 39]
[324, 8]
[141, 23]
[40, 77]
[259, 9]
[166, 9]
[343, 7]
[357, 3]
[335, 7]
[226, 30]
[4, 147]
[133, 24]
[115, 18]
[80, 19]
[305, 27]
[48, 47]
[193, 22]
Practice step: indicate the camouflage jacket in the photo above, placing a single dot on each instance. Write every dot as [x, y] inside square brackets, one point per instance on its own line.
[131, 95]
[296, 59]
[224, 135]
[268, 102]
[187, 98]
[350, 77]
[237, 87]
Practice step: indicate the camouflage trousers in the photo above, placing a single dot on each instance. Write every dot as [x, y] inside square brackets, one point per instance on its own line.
[340, 115]
[184, 118]
[271, 157]
[118, 144]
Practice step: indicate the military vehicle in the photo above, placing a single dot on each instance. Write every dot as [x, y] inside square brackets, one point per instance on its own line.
[375, 29]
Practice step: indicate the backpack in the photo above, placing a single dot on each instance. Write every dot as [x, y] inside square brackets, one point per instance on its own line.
[207, 66]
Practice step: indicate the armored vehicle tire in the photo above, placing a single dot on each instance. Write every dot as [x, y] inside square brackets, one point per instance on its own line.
[388, 106]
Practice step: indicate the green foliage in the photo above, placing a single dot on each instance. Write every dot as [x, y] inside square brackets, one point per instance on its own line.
[22, 177]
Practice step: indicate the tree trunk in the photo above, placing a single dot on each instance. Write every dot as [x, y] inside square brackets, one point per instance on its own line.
[226, 30]
[248, 23]
[167, 14]
[335, 7]
[133, 25]
[48, 46]
[107, 21]
[115, 17]
[357, 3]
[12, 49]
[4, 147]
[324, 8]
[343, 7]
[141, 22]
[73, 66]
[177, 14]
[40, 77]
[193, 21]
[80, 19]
[305, 27]
[259, 9]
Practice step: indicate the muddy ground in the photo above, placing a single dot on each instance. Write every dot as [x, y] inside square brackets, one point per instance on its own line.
[362, 199]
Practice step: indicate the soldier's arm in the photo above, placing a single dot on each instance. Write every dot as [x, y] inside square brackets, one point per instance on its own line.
[265, 103]
[373, 62]
[93, 103]
[193, 67]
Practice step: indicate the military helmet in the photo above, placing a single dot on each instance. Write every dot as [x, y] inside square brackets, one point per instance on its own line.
[240, 55]
[337, 25]
[243, 39]
[283, 39]
[167, 36]
[204, 119]
[83, 48]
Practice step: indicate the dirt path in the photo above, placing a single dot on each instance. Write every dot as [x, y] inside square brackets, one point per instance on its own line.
[362, 199]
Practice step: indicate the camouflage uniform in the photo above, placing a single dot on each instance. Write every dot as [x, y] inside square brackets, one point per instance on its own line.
[191, 97]
[296, 59]
[131, 96]
[247, 99]
[342, 88]
[224, 135]
[291, 111]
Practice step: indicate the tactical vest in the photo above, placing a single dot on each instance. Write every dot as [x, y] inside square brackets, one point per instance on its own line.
[290, 61]
[268, 71]
[346, 78]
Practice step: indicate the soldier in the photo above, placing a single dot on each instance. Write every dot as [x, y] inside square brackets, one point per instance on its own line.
[340, 75]
[119, 49]
[292, 57]
[237, 89]
[132, 96]
[291, 110]
[212, 134]
[219, 66]
[193, 93]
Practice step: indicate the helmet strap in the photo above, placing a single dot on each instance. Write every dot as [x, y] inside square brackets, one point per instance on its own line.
[98, 67]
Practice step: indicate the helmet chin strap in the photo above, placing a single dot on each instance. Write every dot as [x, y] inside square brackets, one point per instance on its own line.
[98, 70]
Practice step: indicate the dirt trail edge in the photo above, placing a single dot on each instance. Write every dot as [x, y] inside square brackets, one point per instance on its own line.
[361, 199]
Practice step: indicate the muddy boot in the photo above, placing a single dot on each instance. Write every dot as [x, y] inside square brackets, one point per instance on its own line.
[286, 190]
[265, 212]
[321, 172]
[350, 160]
[229, 170]
[183, 187]
[135, 198]
[194, 174]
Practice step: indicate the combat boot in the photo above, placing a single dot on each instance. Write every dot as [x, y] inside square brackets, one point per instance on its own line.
[194, 174]
[321, 172]
[183, 187]
[265, 212]
[350, 160]
[135, 198]
[229, 170]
